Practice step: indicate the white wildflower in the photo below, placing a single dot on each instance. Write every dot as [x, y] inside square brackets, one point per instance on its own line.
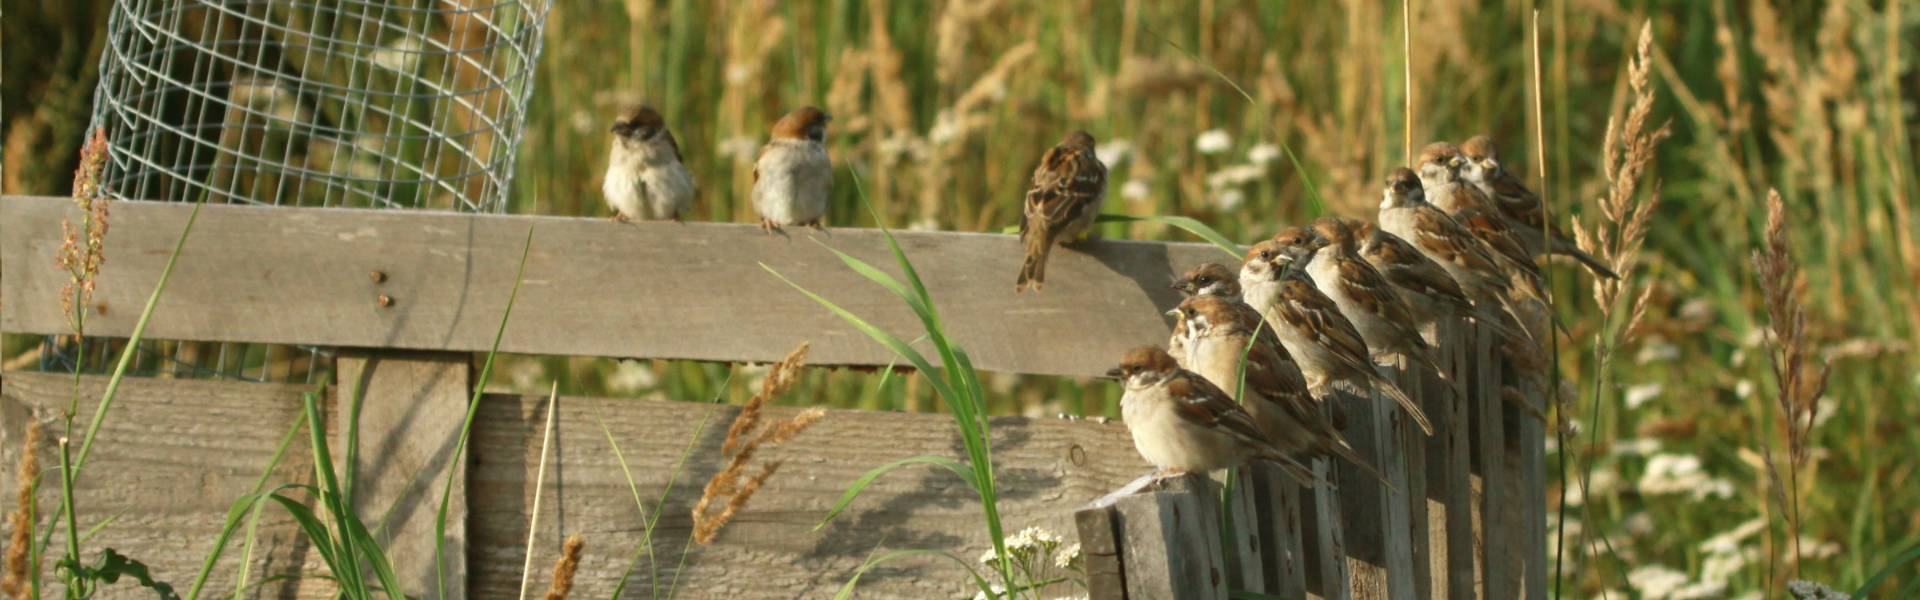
[1235, 175]
[1655, 581]
[1729, 541]
[1212, 141]
[1703, 590]
[1134, 189]
[1678, 473]
[1635, 447]
[1827, 407]
[1722, 567]
[924, 224]
[738, 73]
[1638, 395]
[1808, 590]
[1114, 151]
[1656, 351]
[1229, 200]
[1262, 154]
[1749, 595]
[1638, 524]
[1743, 388]
[989, 557]
[993, 591]
[631, 376]
[1067, 557]
[944, 129]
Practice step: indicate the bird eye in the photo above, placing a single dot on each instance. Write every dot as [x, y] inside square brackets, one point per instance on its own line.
[1266, 255]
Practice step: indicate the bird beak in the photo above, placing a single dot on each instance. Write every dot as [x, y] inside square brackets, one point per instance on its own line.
[1113, 373]
[1177, 285]
[614, 129]
[1173, 312]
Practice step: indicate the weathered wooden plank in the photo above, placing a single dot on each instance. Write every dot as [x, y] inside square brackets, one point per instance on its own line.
[1425, 386]
[412, 406]
[1170, 540]
[306, 276]
[1046, 469]
[1529, 478]
[1374, 516]
[1241, 546]
[1497, 565]
[1320, 533]
[1276, 507]
[1100, 553]
[170, 458]
[1449, 479]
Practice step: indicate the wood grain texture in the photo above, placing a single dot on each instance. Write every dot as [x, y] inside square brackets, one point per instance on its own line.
[1320, 534]
[1374, 516]
[1170, 541]
[1100, 553]
[169, 460]
[1530, 476]
[1449, 475]
[593, 287]
[1046, 468]
[1242, 548]
[1425, 386]
[412, 406]
[1276, 508]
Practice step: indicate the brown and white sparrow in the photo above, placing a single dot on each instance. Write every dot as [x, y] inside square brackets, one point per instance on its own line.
[1431, 294]
[1220, 331]
[1440, 174]
[1322, 341]
[1182, 423]
[1061, 203]
[1405, 212]
[793, 176]
[1209, 279]
[1521, 208]
[1365, 296]
[645, 176]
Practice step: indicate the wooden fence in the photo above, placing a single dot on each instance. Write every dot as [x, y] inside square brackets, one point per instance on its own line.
[1464, 518]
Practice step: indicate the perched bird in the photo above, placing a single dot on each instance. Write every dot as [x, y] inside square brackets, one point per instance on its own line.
[1431, 294]
[1365, 296]
[1440, 174]
[1405, 212]
[1182, 423]
[645, 176]
[1522, 209]
[1227, 342]
[1209, 279]
[793, 175]
[1062, 201]
[1322, 341]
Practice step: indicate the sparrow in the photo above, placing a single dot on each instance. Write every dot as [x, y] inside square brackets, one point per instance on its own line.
[1062, 201]
[1365, 296]
[1219, 332]
[1322, 341]
[1182, 423]
[1440, 176]
[1209, 279]
[646, 178]
[1520, 207]
[1430, 292]
[792, 177]
[1404, 212]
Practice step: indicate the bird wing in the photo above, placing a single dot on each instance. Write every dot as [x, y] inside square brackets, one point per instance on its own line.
[1310, 310]
[1201, 402]
[1067, 183]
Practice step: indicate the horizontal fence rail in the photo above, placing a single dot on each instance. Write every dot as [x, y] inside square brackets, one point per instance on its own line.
[407, 297]
[696, 291]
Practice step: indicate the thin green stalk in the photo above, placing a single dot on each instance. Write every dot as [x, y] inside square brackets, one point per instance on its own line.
[233, 514]
[76, 586]
[466, 426]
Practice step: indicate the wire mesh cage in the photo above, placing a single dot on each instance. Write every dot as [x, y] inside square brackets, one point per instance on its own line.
[369, 103]
[356, 103]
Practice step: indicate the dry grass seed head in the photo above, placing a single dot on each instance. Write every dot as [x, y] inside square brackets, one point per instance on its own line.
[743, 441]
[14, 582]
[565, 566]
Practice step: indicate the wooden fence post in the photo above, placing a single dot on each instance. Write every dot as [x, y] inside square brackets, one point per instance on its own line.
[1373, 516]
[412, 406]
[1449, 481]
[1276, 511]
[1167, 541]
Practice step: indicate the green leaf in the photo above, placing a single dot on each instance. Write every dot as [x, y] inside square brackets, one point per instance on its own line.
[1191, 225]
[1911, 556]
[853, 491]
[316, 531]
[889, 340]
[846, 591]
[241, 506]
[112, 566]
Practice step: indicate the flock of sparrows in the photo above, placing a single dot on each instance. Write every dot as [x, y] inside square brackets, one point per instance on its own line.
[1309, 312]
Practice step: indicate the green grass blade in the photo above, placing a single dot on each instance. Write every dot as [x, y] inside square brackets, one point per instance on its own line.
[853, 490]
[316, 531]
[466, 427]
[1189, 224]
[1905, 559]
[328, 495]
[889, 340]
[648, 520]
[257, 505]
[133, 343]
[846, 591]
[239, 507]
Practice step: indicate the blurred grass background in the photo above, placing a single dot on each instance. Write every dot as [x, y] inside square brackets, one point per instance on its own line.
[943, 108]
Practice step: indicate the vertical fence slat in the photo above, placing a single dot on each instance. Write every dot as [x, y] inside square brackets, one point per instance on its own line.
[1244, 553]
[1449, 479]
[1374, 517]
[1276, 508]
[1167, 539]
[1320, 532]
[412, 406]
[1532, 479]
[1422, 384]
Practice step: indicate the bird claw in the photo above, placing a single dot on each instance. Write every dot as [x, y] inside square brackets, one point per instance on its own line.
[767, 225]
[618, 217]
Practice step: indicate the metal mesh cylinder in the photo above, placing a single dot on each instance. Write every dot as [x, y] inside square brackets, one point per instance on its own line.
[403, 103]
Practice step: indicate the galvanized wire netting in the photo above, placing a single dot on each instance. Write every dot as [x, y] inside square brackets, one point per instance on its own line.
[405, 103]
[358, 103]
